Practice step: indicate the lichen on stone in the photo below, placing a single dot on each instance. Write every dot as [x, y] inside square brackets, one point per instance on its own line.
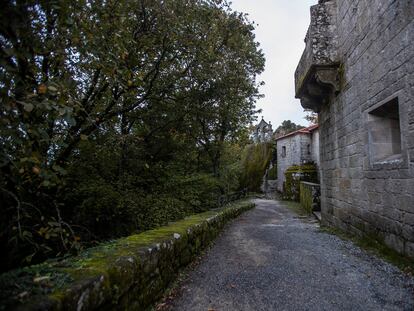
[142, 264]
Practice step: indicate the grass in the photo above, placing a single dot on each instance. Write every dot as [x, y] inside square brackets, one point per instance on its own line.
[296, 207]
[376, 247]
[34, 280]
[368, 243]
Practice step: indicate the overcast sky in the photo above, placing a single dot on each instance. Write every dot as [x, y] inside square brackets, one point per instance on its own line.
[281, 29]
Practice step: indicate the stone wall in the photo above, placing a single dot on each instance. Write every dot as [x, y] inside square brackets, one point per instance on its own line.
[315, 148]
[310, 196]
[374, 46]
[293, 155]
[127, 274]
[300, 148]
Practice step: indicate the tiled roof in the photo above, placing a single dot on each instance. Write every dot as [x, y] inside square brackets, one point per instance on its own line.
[306, 130]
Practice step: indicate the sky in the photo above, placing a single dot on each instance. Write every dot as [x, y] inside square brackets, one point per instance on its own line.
[281, 30]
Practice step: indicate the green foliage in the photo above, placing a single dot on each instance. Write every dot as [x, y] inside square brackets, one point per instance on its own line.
[287, 127]
[125, 264]
[310, 197]
[116, 117]
[255, 160]
[296, 207]
[311, 116]
[272, 173]
[294, 175]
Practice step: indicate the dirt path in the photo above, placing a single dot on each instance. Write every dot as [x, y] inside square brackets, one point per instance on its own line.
[271, 259]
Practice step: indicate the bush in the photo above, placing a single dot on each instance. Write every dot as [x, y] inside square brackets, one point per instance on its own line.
[255, 160]
[272, 173]
[101, 138]
[294, 175]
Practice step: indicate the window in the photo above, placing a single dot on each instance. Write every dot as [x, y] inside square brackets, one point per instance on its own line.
[384, 133]
[284, 151]
[309, 149]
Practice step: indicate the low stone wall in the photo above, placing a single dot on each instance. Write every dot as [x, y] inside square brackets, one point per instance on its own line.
[310, 194]
[129, 273]
[294, 175]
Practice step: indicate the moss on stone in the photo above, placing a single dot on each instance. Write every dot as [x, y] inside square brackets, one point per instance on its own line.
[294, 175]
[144, 263]
[296, 207]
[375, 245]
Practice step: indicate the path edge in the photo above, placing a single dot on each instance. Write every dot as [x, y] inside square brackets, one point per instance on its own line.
[130, 275]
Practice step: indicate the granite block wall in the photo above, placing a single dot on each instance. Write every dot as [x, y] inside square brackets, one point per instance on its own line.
[360, 192]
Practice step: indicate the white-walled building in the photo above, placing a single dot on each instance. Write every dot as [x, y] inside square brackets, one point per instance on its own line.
[296, 148]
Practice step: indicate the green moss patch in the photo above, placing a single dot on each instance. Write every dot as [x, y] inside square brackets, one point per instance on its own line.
[129, 272]
[255, 160]
[309, 196]
[294, 175]
[377, 247]
[296, 207]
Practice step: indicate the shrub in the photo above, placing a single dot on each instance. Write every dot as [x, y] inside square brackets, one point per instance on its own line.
[272, 173]
[255, 160]
[294, 175]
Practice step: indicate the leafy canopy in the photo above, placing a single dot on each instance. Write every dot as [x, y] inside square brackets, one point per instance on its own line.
[117, 116]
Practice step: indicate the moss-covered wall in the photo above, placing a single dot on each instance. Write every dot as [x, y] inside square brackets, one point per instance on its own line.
[309, 196]
[294, 175]
[255, 160]
[130, 273]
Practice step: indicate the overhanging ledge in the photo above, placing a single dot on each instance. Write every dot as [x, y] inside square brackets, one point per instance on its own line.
[320, 84]
[317, 74]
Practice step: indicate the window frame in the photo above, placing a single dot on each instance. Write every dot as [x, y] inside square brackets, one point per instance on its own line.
[283, 154]
[369, 163]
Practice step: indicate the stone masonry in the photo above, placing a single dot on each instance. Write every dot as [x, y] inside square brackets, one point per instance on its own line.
[262, 132]
[296, 148]
[357, 71]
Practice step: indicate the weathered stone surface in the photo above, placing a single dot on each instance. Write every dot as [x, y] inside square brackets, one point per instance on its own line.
[318, 77]
[372, 41]
[296, 151]
[130, 273]
[310, 196]
[271, 260]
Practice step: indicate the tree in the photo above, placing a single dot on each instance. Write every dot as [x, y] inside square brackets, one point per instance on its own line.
[287, 127]
[311, 116]
[109, 108]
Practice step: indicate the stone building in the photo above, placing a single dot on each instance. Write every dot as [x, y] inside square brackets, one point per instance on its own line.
[357, 71]
[296, 148]
[262, 132]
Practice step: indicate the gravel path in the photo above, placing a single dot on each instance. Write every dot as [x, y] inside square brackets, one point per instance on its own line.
[272, 259]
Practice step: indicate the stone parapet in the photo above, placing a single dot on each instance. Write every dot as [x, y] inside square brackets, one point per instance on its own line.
[129, 273]
[317, 75]
[310, 196]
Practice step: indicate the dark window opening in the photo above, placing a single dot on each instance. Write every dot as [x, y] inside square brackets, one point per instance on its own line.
[284, 151]
[385, 133]
[309, 149]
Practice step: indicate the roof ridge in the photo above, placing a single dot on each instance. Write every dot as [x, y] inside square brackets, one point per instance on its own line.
[306, 130]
